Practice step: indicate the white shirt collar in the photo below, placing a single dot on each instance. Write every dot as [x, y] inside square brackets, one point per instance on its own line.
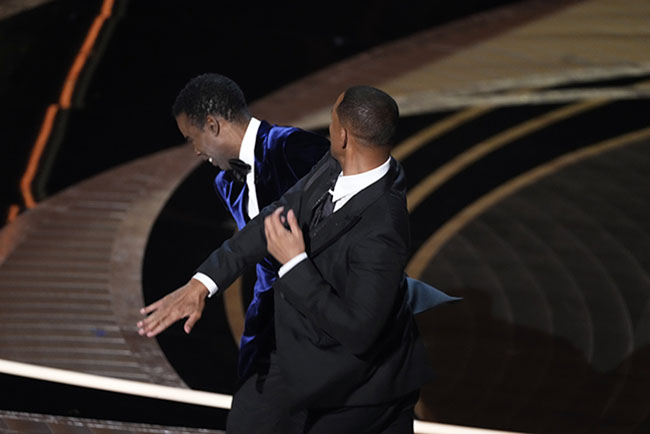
[247, 155]
[247, 149]
[348, 186]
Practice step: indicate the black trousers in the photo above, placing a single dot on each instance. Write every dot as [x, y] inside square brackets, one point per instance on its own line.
[395, 417]
[261, 406]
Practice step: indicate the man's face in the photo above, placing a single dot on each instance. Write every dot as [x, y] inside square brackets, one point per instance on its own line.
[205, 141]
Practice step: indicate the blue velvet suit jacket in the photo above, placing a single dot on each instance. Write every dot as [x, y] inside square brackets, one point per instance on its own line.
[283, 155]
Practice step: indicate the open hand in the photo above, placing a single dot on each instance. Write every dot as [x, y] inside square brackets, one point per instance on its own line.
[187, 301]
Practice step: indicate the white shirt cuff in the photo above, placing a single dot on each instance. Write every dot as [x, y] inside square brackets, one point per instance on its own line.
[207, 282]
[291, 263]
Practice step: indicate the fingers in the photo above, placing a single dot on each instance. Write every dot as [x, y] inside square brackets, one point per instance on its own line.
[272, 224]
[154, 329]
[275, 229]
[276, 221]
[186, 302]
[189, 324]
[153, 306]
[145, 324]
[151, 326]
[155, 324]
[293, 222]
[269, 231]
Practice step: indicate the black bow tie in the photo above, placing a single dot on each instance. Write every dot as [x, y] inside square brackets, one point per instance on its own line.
[239, 169]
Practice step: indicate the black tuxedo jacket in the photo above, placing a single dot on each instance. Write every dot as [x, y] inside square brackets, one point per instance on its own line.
[345, 333]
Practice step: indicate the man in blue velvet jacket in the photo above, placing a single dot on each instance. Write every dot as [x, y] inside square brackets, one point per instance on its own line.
[258, 163]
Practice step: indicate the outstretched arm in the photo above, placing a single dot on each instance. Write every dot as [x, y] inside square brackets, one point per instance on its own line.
[223, 266]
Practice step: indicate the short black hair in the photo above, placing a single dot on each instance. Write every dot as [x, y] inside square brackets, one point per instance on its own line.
[211, 94]
[370, 115]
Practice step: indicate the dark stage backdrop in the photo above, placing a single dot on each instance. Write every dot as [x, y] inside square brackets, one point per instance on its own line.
[145, 54]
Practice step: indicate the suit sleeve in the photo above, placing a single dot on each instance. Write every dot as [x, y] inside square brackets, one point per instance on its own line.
[356, 316]
[248, 246]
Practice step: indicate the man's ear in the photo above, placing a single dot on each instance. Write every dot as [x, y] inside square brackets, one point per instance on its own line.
[212, 124]
[344, 138]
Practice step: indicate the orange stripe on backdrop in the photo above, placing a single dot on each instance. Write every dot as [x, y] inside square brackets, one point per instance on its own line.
[84, 52]
[35, 156]
[13, 212]
[64, 103]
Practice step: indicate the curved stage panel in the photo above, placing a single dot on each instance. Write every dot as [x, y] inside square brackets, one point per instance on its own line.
[13, 422]
[553, 333]
[70, 276]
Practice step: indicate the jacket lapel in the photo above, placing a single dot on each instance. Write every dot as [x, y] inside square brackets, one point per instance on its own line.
[333, 227]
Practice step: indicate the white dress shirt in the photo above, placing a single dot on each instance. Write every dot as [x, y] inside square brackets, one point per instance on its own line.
[247, 155]
[344, 189]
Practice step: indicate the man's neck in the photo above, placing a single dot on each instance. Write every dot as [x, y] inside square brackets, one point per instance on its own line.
[355, 164]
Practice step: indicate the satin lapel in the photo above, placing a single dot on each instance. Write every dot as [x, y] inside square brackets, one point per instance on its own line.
[315, 187]
[333, 227]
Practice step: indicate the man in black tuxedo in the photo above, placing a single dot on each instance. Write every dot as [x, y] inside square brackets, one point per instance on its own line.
[348, 350]
[347, 342]
[259, 161]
